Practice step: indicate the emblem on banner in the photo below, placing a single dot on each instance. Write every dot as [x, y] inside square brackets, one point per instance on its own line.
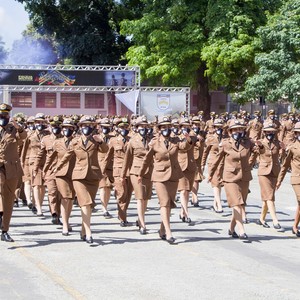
[163, 102]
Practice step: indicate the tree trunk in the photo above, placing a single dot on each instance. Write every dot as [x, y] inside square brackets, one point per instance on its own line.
[203, 96]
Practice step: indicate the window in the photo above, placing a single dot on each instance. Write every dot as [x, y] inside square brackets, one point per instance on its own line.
[94, 101]
[46, 100]
[70, 100]
[21, 99]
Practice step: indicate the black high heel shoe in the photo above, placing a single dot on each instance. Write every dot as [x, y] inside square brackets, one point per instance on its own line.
[233, 234]
[162, 236]
[89, 240]
[297, 233]
[182, 218]
[243, 236]
[171, 240]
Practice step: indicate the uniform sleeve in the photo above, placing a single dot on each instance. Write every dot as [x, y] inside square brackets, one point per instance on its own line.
[219, 160]
[68, 155]
[128, 158]
[285, 166]
[39, 156]
[109, 156]
[148, 160]
[206, 151]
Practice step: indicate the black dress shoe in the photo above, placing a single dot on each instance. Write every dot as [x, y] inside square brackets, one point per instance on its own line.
[246, 221]
[171, 240]
[181, 218]
[83, 237]
[196, 204]
[16, 204]
[65, 233]
[143, 231]
[124, 223]
[297, 233]
[89, 240]
[162, 235]
[34, 210]
[188, 220]
[264, 224]
[24, 202]
[277, 226]
[6, 237]
[233, 234]
[107, 215]
[30, 206]
[243, 236]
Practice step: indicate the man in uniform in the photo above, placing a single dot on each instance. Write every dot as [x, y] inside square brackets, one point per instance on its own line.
[10, 167]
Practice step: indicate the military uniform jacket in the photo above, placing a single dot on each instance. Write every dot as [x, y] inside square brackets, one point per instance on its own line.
[269, 154]
[137, 148]
[287, 134]
[116, 152]
[165, 160]
[238, 161]
[9, 157]
[45, 153]
[211, 149]
[35, 146]
[86, 153]
[186, 156]
[292, 160]
[102, 155]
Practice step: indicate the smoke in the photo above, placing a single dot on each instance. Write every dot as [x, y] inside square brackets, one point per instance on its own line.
[29, 50]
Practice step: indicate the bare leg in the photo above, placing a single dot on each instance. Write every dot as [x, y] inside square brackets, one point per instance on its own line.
[86, 212]
[141, 213]
[264, 211]
[297, 218]
[272, 210]
[184, 200]
[66, 207]
[217, 198]
[195, 192]
[37, 194]
[27, 191]
[165, 216]
[104, 197]
[237, 216]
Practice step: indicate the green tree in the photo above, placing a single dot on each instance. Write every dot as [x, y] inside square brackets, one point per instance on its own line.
[278, 76]
[205, 44]
[87, 31]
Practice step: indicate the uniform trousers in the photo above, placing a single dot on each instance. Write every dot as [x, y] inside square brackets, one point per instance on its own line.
[7, 197]
[123, 194]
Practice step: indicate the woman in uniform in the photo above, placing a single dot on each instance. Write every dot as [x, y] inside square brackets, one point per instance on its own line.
[87, 173]
[163, 153]
[64, 175]
[188, 166]
[237, 154]
[137, 148]
[292, 160]
[210, 152]
[269, 150]
[198, 154]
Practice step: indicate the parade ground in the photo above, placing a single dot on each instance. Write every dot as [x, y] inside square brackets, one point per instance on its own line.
[204, 263]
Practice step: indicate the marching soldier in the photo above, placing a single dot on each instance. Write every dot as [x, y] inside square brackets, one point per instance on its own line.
[10, 167]
[255, 126]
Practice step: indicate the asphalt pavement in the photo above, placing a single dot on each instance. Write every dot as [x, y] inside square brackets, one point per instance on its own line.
[204, 263]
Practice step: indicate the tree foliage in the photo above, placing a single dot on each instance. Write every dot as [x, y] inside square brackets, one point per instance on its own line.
[3, 52]
[87, 31]
[278, 62]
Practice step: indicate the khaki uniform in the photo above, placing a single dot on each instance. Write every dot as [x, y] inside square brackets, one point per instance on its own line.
[136, 150]
[116, 152]
[238, 161]
[292, 160]
[166, 169]
[86, 173]
[10, 168]
[254, 129]
[269, 168]
[287, 134]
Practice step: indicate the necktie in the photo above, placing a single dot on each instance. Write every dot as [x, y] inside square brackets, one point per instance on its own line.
[144, 142]
[237, 144]
[124, 140]
[167, 144]
[67, 142]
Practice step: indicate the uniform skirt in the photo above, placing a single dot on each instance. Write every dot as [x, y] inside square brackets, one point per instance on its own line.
[267, 187]
[216, 180]
[26, 170]
[199, 175]
[186, 182]
[236, 192]
[107, 180]
[166, 193]
[86, 191]
[143, 190]
[296, 188]
[65, 187]
[38, 179]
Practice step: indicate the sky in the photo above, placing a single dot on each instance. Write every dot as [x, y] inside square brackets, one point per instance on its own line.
[13, 21]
